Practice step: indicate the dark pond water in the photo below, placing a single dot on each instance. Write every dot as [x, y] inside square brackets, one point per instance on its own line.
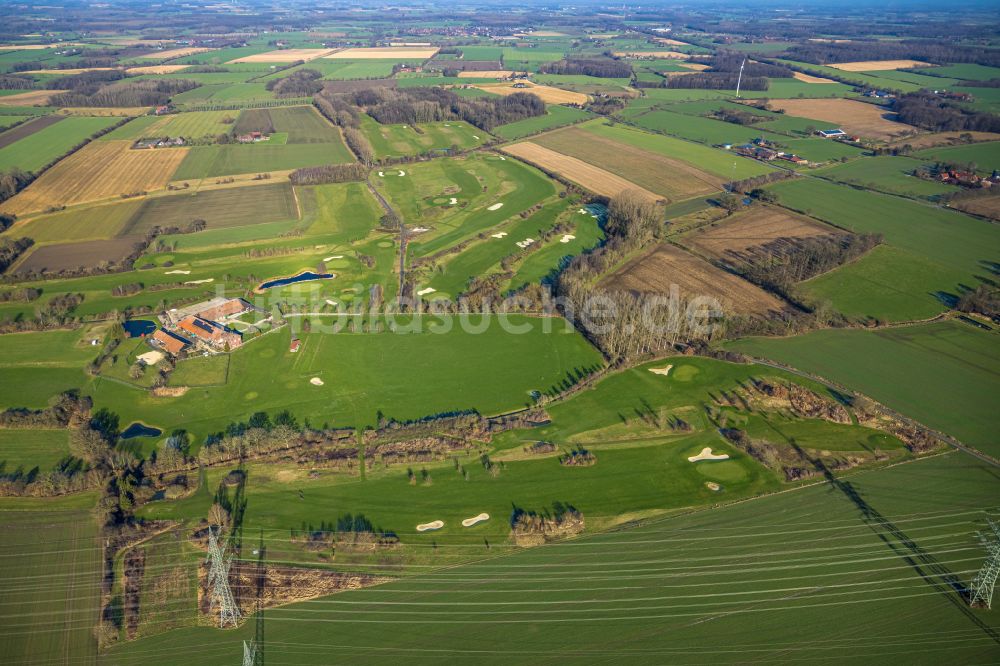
[301, 277]
[140, 430]
[136, 328]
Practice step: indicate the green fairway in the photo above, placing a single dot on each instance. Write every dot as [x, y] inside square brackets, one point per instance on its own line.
[37, 150]
[26, 449]
[665, 589]
[541, 265]
[491, 372]
[345, 211]
[943, 374]
[402, 140]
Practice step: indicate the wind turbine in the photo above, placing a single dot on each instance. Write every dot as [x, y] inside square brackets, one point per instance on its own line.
[739, 79]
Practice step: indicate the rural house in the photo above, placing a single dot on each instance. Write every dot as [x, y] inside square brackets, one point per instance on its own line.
[211, 333]
[252, 137]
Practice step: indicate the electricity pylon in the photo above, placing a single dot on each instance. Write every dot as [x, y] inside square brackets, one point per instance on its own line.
[249, 654]
[218, 582]
[981, 590]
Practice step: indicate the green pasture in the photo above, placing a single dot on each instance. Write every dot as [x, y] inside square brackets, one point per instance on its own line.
[887, 174]
[944, 374]
[214, 161]
[986, 156]
[555, 116]
[79, 224]
[27, 449]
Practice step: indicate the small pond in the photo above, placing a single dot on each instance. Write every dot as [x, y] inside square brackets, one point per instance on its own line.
[136, 328]
[305, 276]
[140, 430]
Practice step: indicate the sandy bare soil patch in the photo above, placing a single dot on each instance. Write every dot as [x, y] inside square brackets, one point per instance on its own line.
[156, 69]
[674, 55]
[385, 52]
[486, 74]
[759, 226]
[877, 65]
[706, 454]
[669, 42]
[861, 118]
[99, 170]
[806, 78]
[30, 98]
[151, 357]
[665, 265]
[662, 175]
[586, 175]
[469, 522]
[695, 66]
[176, 53]
[284, 55]
[547, 94]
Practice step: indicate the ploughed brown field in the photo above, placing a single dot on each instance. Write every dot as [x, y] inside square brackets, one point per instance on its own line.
[99, 170]
[70, 256]
[28, 128]
[758, 226]
[586, 175]
[664, 265]
[860, 118]
[671, 179]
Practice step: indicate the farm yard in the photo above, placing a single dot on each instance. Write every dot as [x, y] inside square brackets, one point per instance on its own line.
[370, 318]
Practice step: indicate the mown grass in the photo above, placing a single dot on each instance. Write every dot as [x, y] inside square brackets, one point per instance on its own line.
[27, 449]
[345, 212]
[943, 374]
[214, 161]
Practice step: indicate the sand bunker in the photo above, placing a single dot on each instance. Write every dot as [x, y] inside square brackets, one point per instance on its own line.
[566, 238]
[452, 201]
[381, 175]
[500, 234]
[475, 137]
[435, 525]
[502, 158]
[661, 371]
[469, 522]
[713, 486]
[402, 173]
[525, 243]
[316, 381]
[329, 302]
[178, 272]
[706, 454]
[496, 206]
[200, 281]
[336, 256]
[426, 290]
[418, 230]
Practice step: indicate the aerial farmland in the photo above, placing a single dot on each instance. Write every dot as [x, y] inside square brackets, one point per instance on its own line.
[524, 334]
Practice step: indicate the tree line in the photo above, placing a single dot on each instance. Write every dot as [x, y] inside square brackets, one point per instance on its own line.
[928, 111]
[127, 93]
[604, 67]
[934, 51]
[301, 83]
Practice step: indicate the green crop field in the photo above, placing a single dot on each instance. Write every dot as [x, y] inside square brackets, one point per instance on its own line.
[702, 130]
[556, 116]
[50, 575]
[943, 374]
[402, 140]
[303, 124]
[943, 250]
[986, 156]
[423, 197]
[233, 207]
[967, 71]
[887, 174]
[213, 161]
[79, 224]
[38, 149]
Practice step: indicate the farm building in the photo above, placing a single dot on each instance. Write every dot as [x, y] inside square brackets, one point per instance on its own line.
[835, 133]
[215, 309]
[211, 333]
[168, 342]
[294, 346]
[252, 137]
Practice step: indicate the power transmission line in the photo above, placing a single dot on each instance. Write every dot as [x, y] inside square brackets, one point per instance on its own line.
[981, 590]
[218, 581]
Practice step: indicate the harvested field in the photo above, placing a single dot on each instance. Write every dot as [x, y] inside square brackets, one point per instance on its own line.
[218, 208]
[669, 42]
[695, 66]
[806, 78]
[988, 206]
[27, 129]
[586, 175]
[547, 94]
[70, 256]
[30, 98]
[666, 265]
[284, 55]
[674, 55]
[169, 54]
[485, 74]
[877, 65]
[853, 117]
[470, 65]
[156, 69]
[67, 72]
[383, 53]
[667, 177]
[99, 170]
[759, 226]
